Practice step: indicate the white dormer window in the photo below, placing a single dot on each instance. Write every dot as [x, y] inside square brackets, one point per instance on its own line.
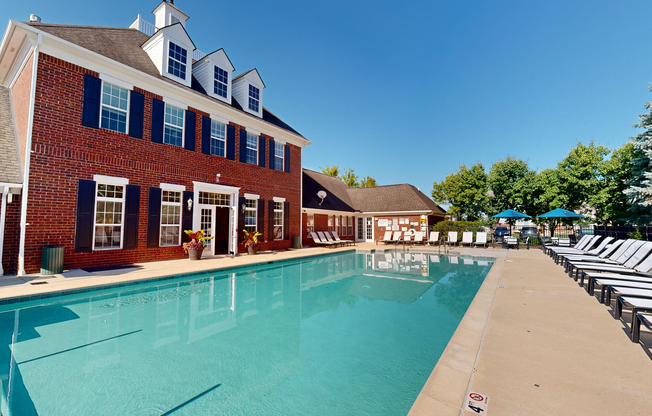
[221, 82]
[173, 133]
[254, 98]
[177, 60]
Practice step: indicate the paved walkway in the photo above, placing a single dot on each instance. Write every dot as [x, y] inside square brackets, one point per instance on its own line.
[533, 341]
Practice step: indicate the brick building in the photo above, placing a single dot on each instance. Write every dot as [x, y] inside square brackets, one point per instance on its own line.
[119, 139]
[363, 214]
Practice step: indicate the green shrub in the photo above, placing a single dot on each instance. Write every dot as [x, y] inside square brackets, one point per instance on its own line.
[636, 234]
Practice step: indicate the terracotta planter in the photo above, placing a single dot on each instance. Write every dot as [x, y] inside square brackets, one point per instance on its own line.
[252, 250]
[194, 254]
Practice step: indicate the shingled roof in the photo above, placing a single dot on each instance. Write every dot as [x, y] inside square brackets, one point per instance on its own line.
[9, 159]
[389, 198]
[124, 45]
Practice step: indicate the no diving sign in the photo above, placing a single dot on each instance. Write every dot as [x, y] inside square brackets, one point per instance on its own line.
[476, 403]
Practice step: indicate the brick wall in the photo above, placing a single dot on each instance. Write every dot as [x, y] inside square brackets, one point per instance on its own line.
[12, 237]
[65, 151]
[379, 232]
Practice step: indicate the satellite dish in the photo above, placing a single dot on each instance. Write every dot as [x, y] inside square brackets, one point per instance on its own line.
[322, 194]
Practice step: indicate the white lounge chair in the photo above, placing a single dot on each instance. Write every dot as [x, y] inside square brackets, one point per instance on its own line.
[418, 237]
[325, 236]
[318, 240]
[452, 238]
[337, 238]
[386, 238]
[407, 239]
[480, 238]
[467, 238]
[434, 237]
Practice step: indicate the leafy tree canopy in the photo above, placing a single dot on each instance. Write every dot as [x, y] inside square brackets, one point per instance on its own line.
[465, 191]
[349, 177]
[505, 181]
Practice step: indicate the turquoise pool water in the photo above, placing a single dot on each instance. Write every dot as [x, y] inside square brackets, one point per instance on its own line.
[349, 334]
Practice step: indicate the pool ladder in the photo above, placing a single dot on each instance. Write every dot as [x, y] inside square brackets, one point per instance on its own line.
[441, 241]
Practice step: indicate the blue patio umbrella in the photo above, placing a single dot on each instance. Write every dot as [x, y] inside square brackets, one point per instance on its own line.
[561, 213]
[510, 214]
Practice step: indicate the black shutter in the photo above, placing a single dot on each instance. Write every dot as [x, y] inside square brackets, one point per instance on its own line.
[132, 207]
[272, 149]
[91, 107]
[261, 151]
[287, 158]
[186, 216]
[206, 135]
[191, 120]
[260, 221]
[158, 114]
[136, 114]
[241, 218]
[154, 217]
[85, 214]
[270, 221]
[230, 142]
[286, 220]
[243, 146]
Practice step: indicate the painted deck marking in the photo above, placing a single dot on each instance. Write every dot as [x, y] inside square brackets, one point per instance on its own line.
[476, 403]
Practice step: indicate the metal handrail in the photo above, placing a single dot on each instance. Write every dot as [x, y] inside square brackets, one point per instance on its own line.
[441, 241]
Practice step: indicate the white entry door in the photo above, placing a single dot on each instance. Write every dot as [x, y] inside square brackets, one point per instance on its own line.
[369, 228]
[207, 225]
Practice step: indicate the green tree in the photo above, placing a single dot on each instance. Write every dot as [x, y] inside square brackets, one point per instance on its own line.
[465, 191]
[639, 189]
[580, 174]
[546, 194]
[367, 182]
[331, 170]
[350, 178]
[610, 202]
[505, 182]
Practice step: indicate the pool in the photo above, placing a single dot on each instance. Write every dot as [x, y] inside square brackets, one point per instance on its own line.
[344, 334]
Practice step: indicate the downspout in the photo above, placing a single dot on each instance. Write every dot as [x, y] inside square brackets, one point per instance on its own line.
[28, 158]
[301, 213]
[3, 214]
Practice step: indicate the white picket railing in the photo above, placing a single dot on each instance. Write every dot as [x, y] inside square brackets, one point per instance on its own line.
[149, 29]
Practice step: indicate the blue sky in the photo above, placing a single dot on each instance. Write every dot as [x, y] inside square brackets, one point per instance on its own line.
[407, 91]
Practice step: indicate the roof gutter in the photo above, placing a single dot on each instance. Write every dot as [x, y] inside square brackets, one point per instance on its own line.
[28, 158]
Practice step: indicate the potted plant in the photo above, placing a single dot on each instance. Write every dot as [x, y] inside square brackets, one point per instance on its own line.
[196, 245]
[251, 241]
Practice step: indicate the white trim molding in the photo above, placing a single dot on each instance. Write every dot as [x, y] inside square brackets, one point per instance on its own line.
[111, 180]
[251, 196]
[116, 81]
[172, 187]
[278, 199]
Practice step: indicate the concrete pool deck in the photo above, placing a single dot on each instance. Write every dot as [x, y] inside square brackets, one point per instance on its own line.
[533, 341]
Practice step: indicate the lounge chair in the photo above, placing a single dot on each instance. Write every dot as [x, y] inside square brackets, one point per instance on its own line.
[629, 264]
[624, 252]
[636, 305]
[434, 237]
[549, 249]
[407, 239]
[602, 248]
[317, 240]
[588, 250]
[386, 238]
[608, 256]
[511, 241]
[337, 238]
[480, 238]
[395, 238]
[325, 236]
[467, 238]
[418, 237]
[608, 287]
[641, 318]
[452, 238]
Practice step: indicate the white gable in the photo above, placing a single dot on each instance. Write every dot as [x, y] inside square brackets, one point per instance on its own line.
[204, 71]
[158, 49]
[241, 91]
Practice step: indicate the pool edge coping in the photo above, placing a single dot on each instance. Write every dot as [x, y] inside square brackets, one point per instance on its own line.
[444, 393]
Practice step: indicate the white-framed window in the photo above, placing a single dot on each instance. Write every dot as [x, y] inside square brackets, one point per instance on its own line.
[279, 156]
[171, 218]
[254, 98]
[212, 198]
[278, 220]
[337, 225]
[252, 148]
[221, 82]
[177, 60]
[251, 214]
[109, 214]
[351, 226]
[174, 118]
[331, 220]
[218, 138]
[115, 107]
[311, 224]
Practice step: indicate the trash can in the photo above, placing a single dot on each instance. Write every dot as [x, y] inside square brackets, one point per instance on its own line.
[52, 260]
[296, 242]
